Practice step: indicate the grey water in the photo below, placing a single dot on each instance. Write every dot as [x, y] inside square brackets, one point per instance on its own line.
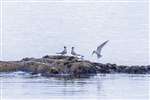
[20, 85]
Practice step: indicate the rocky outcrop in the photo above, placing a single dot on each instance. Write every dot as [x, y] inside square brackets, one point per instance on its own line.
[67, 66]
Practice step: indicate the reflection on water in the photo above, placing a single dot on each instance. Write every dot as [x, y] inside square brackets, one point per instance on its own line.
[20, 85]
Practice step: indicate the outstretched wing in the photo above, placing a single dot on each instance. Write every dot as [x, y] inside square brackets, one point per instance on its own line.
[99, 48]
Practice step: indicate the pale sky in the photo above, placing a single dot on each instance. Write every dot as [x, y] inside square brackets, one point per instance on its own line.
[37, 29]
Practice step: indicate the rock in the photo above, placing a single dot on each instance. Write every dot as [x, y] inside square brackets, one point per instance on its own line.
[136, 70]
[27, 59]
[68, 66]
[9, 66]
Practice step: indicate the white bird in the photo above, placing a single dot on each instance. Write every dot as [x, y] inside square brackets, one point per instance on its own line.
[99, 49]
[64, 51]
[74, 53]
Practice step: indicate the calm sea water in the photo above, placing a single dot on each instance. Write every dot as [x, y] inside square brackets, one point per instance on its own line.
[20, 85]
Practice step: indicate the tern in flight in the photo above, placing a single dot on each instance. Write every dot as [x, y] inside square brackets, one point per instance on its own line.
[99, 49]
[64, 51]
[74, 53]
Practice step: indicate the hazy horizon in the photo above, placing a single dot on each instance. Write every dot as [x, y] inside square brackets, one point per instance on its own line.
[38, 29]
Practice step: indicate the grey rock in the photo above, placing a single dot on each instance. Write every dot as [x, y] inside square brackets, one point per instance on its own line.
[58, 66]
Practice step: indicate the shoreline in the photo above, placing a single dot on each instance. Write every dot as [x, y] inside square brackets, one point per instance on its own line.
[69, 66]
